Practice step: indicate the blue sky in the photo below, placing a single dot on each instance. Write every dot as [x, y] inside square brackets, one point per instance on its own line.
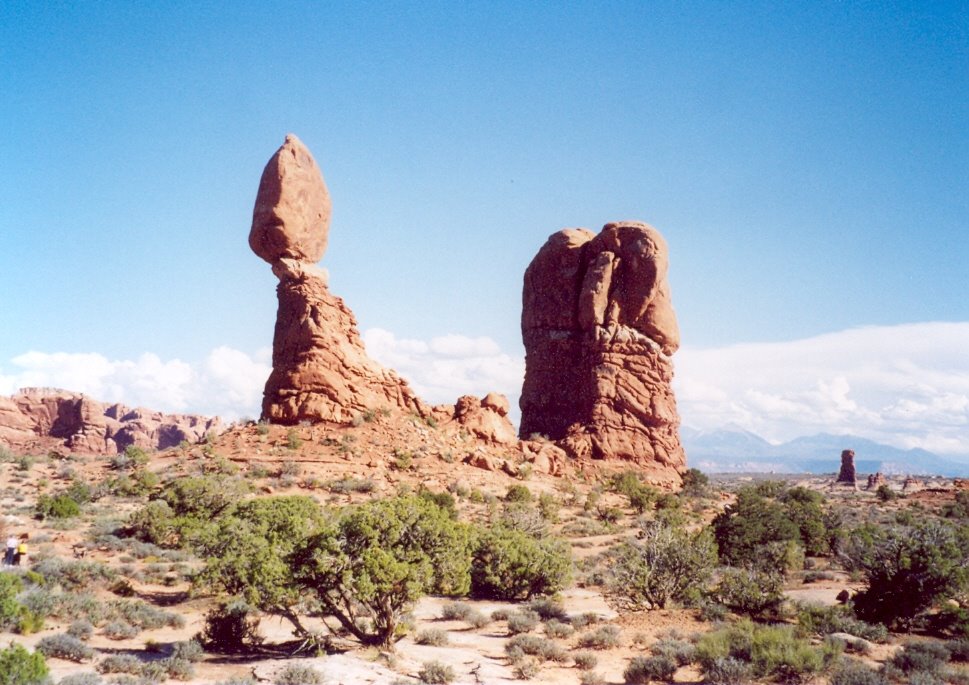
[808, 164]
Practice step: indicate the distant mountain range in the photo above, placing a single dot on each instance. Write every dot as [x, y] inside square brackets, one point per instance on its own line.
[730, 451]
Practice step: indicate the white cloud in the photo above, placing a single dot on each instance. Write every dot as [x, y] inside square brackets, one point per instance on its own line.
[444, 368]
[227, 382]
[905, 385]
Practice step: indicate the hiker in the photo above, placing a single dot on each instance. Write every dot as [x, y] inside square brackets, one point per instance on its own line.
[11, 550]
[21, 550]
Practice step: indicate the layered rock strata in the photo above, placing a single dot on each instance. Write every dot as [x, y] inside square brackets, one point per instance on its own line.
[321, 371]
[599, 332]
[45, 418]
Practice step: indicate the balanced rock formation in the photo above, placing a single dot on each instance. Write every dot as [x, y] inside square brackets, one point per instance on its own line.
[847, 475]
[321, 371]
[37, 419]
[599, 332]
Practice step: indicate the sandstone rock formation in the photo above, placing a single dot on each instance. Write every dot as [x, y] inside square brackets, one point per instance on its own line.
[321, 371]
[875, 480]
[912, 484]
[37, 419]
[487, 418]
[847, 476]
[599, 331]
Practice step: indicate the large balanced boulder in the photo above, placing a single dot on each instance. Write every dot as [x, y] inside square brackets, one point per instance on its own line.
[321, 371]
[599, 332]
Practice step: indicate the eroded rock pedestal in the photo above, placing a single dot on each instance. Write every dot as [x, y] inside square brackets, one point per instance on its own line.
[847, 475]
[321, 371]
[599, 332]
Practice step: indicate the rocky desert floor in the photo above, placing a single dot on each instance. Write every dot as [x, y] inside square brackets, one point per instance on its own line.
[381, 457]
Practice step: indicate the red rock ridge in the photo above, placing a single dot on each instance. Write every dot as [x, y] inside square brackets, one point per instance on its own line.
[44, 418]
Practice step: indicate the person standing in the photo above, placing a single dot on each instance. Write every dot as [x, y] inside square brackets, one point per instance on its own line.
[21, 553]
[11, 550]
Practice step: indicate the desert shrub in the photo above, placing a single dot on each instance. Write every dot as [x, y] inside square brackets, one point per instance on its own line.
[548, 507]
[203, 496]
[63, 646]
[477, 619]
[766, 513]
[750, 592]
[556, 629]
[120, 663]
[951, 621]
[230, 627]
[771, 651]
[73, 574]
[247, 552]
[524, 518]
[434, 673]
[928, 657]
[548, 609]
[907, 571]
[958, 650]
[509, 564]
[456, 611]
[643, 669]
[663, 565]
[522, 621]
[350, 484]
[585, 661]
[822, 620]
[540, 647]
[444, 500]
[605, 637]
[433, 637]
[518, 493]
[884, 493]
[680, 651]
[727, 671]
[20, 667]
[155, 523]
[459, 611]
[298, 674]
[10, 608]
[380, 557]
[58, 506]
[526, 668]
[187, 650]
[851, 672]
[120, 630]
[586, 619]
[144, 615]
[80, 679]
[81, 629]
[591, 678]
[805, 508]
[174, 667]
[695, 483]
